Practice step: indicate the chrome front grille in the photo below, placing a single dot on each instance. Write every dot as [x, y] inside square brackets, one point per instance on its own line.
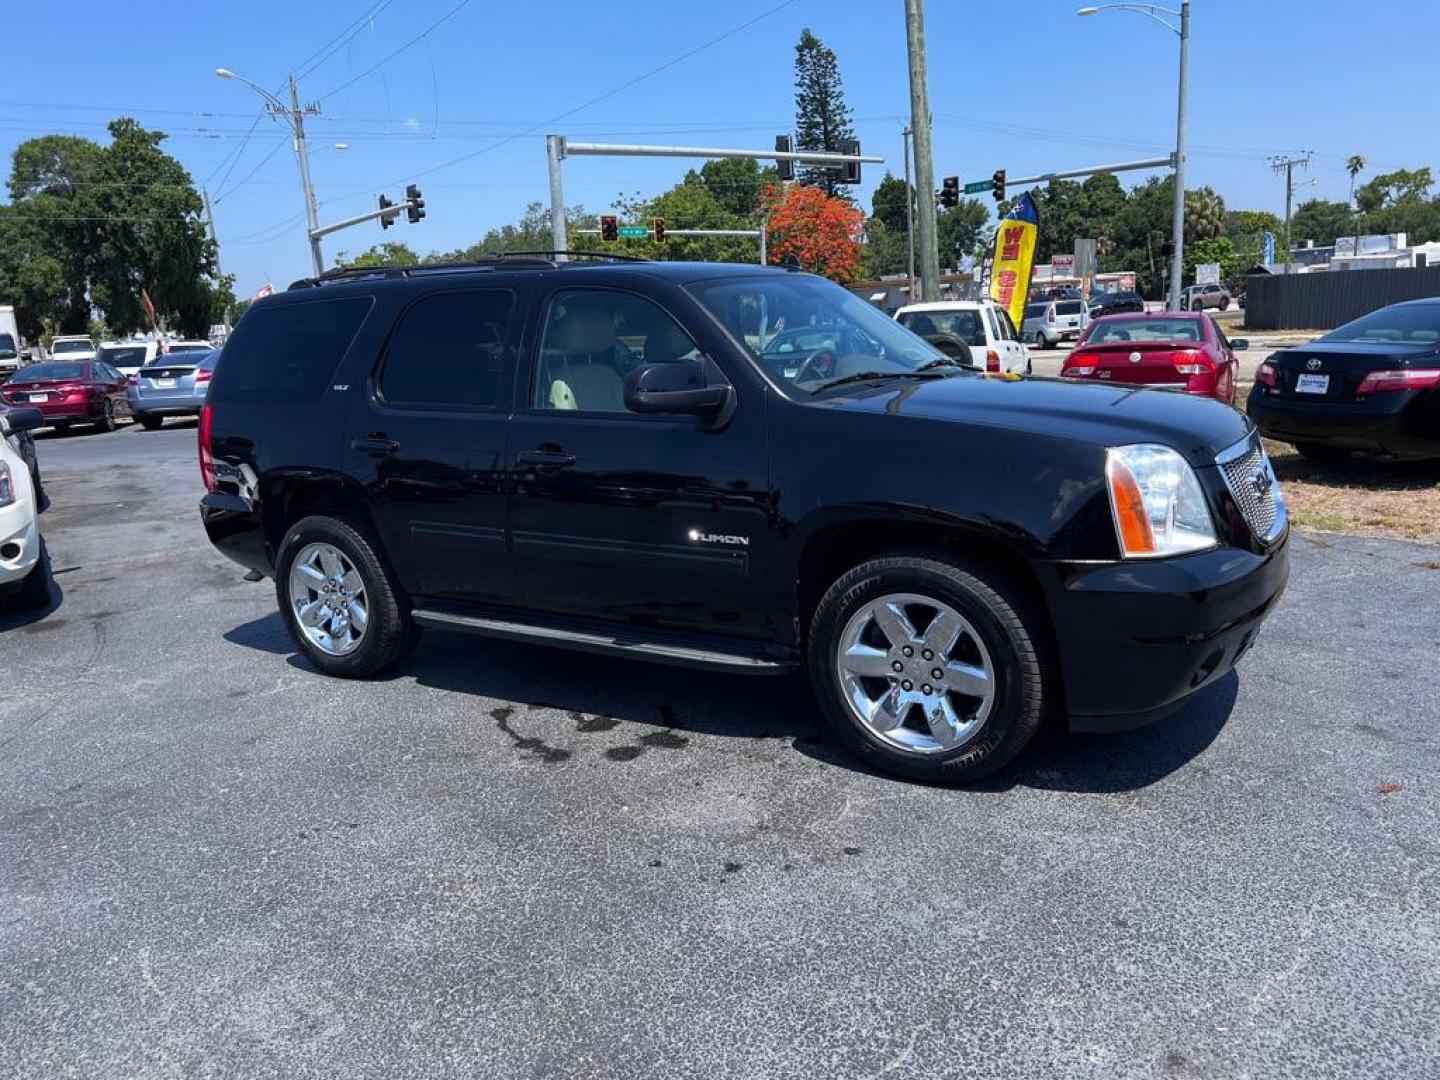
[1252, 483]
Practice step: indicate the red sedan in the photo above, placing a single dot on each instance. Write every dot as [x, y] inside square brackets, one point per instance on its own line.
[70, 391]
[1178, 350]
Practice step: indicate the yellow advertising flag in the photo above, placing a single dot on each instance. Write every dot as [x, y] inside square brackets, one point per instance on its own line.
[1014, 258]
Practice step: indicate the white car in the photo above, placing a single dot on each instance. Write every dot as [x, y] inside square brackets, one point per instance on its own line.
[128, 357]
[982, 325]
[72, 347]
[24, 566]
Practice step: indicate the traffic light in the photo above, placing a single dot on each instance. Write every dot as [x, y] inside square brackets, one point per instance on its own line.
[386, 220]
[850, 171]
[950, 191]
[784, 166]
[416, 209]
[997, 185]
[1167, 250]
[609, 227]
[659, 230]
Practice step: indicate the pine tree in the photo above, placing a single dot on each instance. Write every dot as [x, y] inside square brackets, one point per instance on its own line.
[822, 119]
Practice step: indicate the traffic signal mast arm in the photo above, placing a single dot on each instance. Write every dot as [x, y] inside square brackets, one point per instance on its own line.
[413, 205]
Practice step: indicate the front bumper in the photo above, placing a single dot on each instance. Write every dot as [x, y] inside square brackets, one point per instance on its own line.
[1137, 639]
[1402, 425]
[20, 537]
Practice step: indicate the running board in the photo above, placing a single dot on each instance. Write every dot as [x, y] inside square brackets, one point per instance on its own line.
[637, 643]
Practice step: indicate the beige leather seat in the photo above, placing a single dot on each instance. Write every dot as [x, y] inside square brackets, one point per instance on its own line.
[592, 387]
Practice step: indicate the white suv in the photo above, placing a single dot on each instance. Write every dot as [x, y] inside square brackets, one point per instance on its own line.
[24, 566]
[984, 327]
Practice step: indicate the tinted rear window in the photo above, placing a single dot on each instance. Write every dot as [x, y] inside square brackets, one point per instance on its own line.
[1156, 329]
[59, 346]
[449, 352]
[1067, 307]
[285, 354]
[122, 355]
[41, 372]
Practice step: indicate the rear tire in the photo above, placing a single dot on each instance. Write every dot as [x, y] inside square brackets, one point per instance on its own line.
[149, 421]
[107, 416]
[1321, 454]
[999, 638]
[1225, 304]
[386, 633]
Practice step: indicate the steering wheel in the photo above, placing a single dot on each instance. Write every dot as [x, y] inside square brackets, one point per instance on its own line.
[818, 365]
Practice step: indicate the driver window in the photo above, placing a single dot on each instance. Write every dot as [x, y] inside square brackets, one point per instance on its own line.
[593, 338]
[1008, 326]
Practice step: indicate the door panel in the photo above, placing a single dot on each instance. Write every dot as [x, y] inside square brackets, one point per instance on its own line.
[655, 520]
[429, 440]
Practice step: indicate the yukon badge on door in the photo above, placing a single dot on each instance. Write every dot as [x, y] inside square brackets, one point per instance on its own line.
[696, 536]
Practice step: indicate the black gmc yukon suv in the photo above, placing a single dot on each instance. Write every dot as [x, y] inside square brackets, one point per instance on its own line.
[619, 457]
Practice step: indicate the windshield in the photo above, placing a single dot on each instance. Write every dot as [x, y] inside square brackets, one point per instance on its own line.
[808, 333]
[74, 345]
[122, 355]
[190, 346]
[1158, 329]
[41, 372]
[1417, 324]
[965, 324]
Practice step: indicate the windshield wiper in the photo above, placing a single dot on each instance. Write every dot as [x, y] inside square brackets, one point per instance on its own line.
[874, 376]
[943, 361]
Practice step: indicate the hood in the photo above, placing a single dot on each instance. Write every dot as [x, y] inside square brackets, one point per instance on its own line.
[1086, 412]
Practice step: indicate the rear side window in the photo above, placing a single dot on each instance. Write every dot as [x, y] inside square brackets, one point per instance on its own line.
[449, 352]
[286, 354]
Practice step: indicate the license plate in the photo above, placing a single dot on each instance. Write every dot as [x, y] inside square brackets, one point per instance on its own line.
[164, 384]
[39, 397]
[1312, 384]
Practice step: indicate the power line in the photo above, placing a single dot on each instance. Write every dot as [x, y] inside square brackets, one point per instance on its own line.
[340, 40]
[413, 41]
[241, 183]
[235, 154]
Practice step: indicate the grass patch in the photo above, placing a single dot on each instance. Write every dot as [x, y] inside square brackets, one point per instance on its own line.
[1360, 495]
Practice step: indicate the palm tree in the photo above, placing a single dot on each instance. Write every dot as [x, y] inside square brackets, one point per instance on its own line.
[1354, 165]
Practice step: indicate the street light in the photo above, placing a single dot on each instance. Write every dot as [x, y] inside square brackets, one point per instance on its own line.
[1183, 32]
[295, 116]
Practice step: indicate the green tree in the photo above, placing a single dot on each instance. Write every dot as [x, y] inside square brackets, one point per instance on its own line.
[1215, 249]
[1204, 214]
[390, 253]
[1320, 220]
[887, 250]
[1246, 230]
[738, 184]
[887, 202]
[530, 233]
[822, 119]
[958, 230]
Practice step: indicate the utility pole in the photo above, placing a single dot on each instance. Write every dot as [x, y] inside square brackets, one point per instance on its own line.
[555, 152]
[924, 152]
[210, 225]
[1177, 263]
[1287, 166]
[312, 215]
[909, 221]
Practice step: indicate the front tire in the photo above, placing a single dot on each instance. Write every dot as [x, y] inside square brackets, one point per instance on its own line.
[341, 605]
[107, 416]
[34, 592]
[970, 690]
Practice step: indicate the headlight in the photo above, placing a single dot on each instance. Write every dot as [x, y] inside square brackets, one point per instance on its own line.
[7, 485]
[1158, 504]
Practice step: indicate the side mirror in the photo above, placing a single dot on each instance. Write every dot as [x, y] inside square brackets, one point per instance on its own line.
[674, 388]
[16, 420]
[1239, 344]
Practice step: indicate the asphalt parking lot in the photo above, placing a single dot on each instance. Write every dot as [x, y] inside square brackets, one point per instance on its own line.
[513, 862]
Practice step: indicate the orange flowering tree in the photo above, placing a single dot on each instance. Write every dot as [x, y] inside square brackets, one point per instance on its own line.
[819, 231]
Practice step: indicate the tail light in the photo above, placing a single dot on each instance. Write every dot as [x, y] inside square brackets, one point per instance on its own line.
[1079, 365]
[1190, 362]
[207, 456]
[203, 375]
[1398, 379]
[992, 360]
[1267, 375]
[1050, 315]
[133, 380]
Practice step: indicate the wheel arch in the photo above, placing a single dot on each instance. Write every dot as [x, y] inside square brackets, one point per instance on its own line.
[287, 496]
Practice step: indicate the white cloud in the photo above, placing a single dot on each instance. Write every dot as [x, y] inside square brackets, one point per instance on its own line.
[410, 123]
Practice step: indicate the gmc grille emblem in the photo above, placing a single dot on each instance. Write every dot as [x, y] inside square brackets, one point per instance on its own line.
[1313, 363]
[1260, 482]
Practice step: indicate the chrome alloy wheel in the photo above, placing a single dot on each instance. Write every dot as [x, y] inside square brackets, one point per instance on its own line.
[327, 598]
[916, 673]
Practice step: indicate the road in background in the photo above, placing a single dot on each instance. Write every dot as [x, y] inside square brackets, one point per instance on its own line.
[510, 861]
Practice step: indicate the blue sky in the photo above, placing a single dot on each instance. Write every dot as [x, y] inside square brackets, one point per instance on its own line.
[1030, 87]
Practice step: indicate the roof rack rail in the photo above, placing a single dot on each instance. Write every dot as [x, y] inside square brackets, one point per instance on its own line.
[501, 260]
